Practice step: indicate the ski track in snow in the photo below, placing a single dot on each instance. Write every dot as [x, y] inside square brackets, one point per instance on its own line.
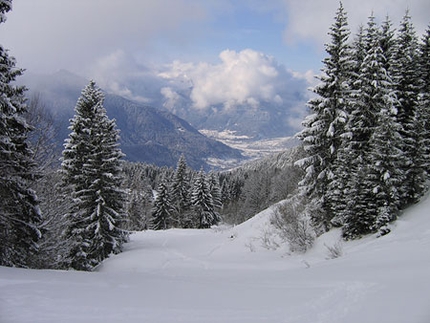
[225, 275]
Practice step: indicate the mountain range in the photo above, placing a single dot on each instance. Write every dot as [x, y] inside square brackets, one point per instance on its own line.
[148, 134]
[255, 121]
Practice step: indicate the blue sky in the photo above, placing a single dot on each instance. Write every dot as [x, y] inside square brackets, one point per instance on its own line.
[257, 50]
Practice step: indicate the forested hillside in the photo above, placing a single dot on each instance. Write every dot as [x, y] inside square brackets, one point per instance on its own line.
[367, 137]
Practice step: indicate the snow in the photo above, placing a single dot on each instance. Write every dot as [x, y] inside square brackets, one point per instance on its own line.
[225, 274]
[251, 147]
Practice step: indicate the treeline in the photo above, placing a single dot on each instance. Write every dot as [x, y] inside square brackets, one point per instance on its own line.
[155, 198]
[367, 136]
[162, 197]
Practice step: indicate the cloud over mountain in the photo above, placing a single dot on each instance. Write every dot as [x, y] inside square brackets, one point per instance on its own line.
[245, 77]
[241, 81]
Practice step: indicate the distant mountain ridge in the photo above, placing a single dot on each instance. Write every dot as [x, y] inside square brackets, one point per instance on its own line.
[147, 134]
[267, 121]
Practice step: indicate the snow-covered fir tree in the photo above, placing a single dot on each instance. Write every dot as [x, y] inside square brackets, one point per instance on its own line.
[349, 158]
[424, 101]
[324, 127]
[408, 84]
[367, 135]
[385, 157]
[91, 171]
[215, 189]
[202, 202]
[163, 210]
[181, 188]
[380, 145]
[388, 44]
[358, 53]
[19, 212]
[358, 207]
[5, 6]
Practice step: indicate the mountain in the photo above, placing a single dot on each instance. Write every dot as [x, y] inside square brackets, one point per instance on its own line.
[247, 93]
[147, 134]
[269, 120]
[159, 137]
[256, 120]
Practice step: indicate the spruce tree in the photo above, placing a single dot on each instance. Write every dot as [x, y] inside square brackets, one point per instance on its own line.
[215, 190]
[385, 153]
[5, 6]
[424, 102]
[359, 52]
[323, 128]
[408, 84]
[388, 44]
[349, 161]
[162, 212]
[181, 194]
[373, 199]
[357, 211]
[202, 202]
[19, 212]
[91, 171]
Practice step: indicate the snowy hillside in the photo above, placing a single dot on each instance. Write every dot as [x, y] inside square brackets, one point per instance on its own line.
[226, 275]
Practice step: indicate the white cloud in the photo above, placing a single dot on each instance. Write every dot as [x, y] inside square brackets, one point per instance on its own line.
[70, 33]
[116, 71]
[171, 98]
[245, 77]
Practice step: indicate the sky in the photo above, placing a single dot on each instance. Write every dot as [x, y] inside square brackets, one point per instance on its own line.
[115, 41]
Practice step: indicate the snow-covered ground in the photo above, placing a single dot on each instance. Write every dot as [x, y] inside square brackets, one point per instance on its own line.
[226, 275]
[251, 147]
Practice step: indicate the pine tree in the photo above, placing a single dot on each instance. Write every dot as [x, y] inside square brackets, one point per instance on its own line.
[357, 215]
[232, 185]
[162, 211]
[386, 155]
[181, 194]
[19, 212]
[424, 102]
[5, 6]
[92, 172]
[325, 126]
[358, 54]
[407, 79]
[215, 189]
[349, 161]
[388, 44]
[373, 199]
[202, 202]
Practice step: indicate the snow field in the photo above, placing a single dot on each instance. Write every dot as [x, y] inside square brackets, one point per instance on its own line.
[226, 274]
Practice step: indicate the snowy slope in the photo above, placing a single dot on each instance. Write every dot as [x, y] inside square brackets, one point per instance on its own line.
[226, 275]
